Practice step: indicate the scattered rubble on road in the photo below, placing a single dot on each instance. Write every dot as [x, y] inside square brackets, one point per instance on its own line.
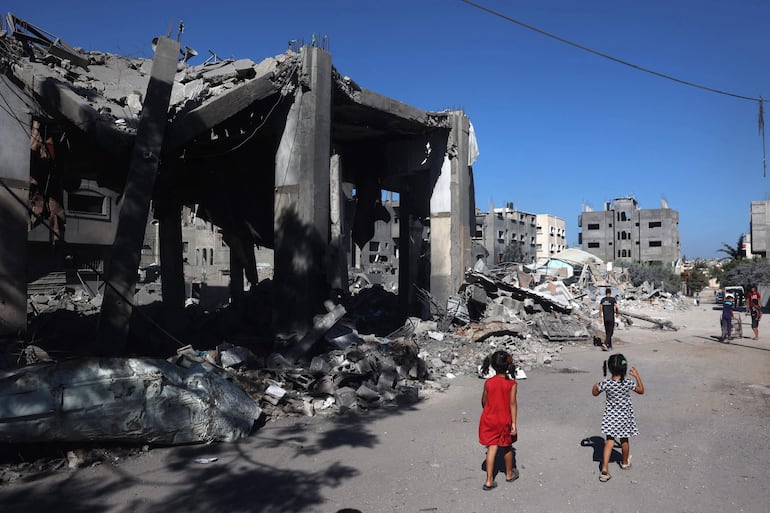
[343, 365]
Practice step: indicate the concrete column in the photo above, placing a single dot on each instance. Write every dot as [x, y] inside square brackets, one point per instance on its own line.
[169, 213]
[338, 262]
[450, 212]
[409, 251]
[236, 278]
[122, 268]
[302, 198]
[15, 125]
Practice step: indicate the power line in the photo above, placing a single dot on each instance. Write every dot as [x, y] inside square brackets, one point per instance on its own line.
[759, 100]
[609, 57]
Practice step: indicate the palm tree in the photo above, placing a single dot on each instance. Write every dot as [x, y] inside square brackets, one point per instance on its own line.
[736, 253]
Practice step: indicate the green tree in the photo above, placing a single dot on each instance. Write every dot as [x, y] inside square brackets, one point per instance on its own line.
[696, 281]
[747, 273]
[735, 253]
[513, 253]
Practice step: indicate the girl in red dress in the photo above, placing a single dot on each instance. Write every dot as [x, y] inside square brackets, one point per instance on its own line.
[497, 426]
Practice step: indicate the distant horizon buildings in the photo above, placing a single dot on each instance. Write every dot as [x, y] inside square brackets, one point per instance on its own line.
[623, 231]
[511, 235]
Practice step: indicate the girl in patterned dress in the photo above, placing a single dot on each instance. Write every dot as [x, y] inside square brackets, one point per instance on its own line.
[618, 421]
[497, 425]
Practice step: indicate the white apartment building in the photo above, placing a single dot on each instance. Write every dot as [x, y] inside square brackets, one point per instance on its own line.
[550, 235]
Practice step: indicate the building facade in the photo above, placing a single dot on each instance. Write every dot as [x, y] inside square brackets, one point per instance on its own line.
[551, 235]
[759, 231]
[508, 235]
[623, 231]
[205, 253]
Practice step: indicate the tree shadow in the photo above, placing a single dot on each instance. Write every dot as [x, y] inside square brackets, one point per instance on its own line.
[202, 478]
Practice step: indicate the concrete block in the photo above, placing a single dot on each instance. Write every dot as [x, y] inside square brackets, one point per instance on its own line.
[387, 379]
[244, 67]
[319, 366]
[367, 394]
[478, 294]
[274, 394]
[346, 398]
[220, 74]
[324, 385]
[408, 395]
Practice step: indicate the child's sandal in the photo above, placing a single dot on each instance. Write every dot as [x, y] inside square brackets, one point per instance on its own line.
[626, 466]
[604, 477]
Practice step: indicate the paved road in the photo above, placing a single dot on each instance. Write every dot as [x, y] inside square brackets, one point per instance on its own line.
[704, 447]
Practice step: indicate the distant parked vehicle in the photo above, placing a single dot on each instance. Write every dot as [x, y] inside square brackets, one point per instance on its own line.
[719, 297]
[738, 294]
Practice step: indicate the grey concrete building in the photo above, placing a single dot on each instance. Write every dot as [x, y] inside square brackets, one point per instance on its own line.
[623, 231]
[287, 153]
[507, 234]
[759, 231]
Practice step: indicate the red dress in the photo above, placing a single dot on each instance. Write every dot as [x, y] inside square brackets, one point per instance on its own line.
[495, 423]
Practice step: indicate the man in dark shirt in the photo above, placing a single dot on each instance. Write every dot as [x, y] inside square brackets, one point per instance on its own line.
[608, 308]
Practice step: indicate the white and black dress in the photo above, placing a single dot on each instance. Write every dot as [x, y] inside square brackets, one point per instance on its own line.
[618, 420]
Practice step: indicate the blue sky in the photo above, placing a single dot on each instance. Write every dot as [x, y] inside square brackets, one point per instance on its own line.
[557, 127]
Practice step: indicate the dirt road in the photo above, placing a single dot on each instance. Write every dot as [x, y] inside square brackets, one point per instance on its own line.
[704, 446]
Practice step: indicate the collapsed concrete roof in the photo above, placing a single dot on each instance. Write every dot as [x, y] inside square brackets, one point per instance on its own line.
[103, 95]
[286, 153]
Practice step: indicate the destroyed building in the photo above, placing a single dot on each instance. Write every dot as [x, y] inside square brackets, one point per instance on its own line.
[287, 153]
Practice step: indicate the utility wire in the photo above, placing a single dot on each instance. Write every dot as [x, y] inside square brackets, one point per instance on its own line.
[606, 56]
[759, 100]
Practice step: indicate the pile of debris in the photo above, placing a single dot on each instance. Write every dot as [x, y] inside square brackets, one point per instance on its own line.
[345, 364]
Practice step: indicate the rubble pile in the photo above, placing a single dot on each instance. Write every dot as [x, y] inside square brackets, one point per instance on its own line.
[361, 356]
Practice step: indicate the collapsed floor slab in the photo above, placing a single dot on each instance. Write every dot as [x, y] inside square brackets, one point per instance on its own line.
[113, 399]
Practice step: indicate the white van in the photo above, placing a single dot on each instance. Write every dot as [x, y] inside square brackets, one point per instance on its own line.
[738, 294]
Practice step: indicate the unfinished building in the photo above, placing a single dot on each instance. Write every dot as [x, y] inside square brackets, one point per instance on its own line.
[286, 153]
[759, 232]
[508, 235]
[623, 231]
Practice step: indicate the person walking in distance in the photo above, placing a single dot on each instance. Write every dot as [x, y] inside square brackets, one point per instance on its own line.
[756, 315]
[497, 426]
[608, 308]
[618, 421]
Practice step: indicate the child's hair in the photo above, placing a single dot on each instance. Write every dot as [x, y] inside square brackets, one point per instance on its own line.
[500, 361]
[617, 365]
